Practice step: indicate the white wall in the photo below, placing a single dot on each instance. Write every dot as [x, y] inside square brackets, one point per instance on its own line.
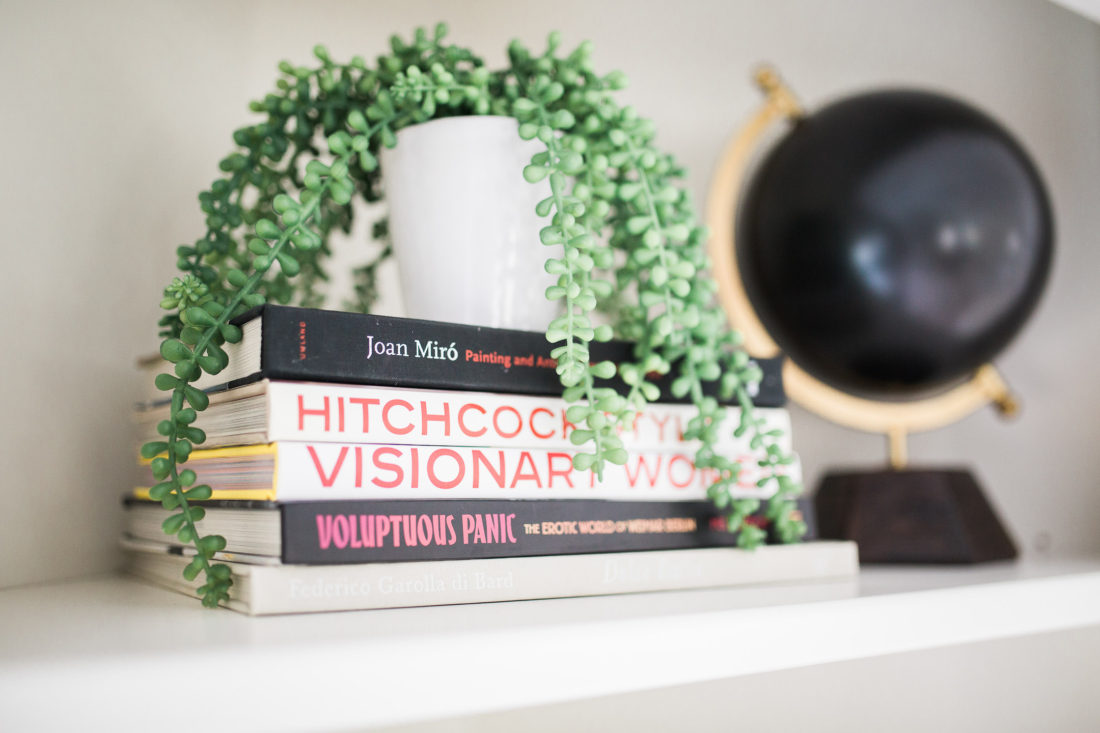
[114, 114]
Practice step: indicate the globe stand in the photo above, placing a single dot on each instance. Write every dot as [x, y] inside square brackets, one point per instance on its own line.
[897, 515]
[912, 516]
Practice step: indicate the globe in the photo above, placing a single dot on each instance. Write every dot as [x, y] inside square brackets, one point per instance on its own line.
[894, 241]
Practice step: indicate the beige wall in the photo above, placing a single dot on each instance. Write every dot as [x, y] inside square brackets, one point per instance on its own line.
[113, 116]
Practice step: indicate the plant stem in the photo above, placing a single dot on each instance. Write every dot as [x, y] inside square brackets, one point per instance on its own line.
[554, 150]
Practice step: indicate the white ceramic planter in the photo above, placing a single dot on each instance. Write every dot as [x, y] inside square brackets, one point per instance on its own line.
[463, 223]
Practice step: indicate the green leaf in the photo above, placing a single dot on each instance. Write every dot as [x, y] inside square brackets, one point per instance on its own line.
[535, 173]
[195, 435]
[187, 370]
[161, 467]
[357, 121]
[618, 456]
[288, 264]
[199, 493]
[173, 350]
[339, 143]
[638, 224]
[194, 567]
[583, 461]
[153, 449]
[172, 524]
[166, 382]
[191, 335]
[210, 544]
[232, 334]
[603, 370]
[181, 450]
[198, 317]
[159, 491]
[236, 278]
[267, 229]
[220, 572]
[389, 139]
[367, 161]
[522, 107]
[196, 397]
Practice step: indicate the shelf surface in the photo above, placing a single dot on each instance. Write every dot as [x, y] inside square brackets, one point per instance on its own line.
[110, 651]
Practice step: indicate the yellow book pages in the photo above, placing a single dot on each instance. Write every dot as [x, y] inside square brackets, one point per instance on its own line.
[233, 451]
[237, 451]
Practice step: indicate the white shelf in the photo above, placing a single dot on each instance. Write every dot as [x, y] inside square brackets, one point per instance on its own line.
[106, 652]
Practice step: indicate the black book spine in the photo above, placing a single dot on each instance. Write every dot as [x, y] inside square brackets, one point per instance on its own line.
[338, 532]
[332, 346]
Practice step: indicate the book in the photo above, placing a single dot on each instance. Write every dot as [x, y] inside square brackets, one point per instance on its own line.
[306, 344]
[339, 532]
[316, 471]
[263, 590]
[268, 411]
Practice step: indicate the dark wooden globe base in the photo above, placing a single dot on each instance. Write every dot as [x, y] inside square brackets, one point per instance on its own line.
[912, 516]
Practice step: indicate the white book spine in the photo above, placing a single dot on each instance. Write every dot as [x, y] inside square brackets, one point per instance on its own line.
[319, 471]
[305, 411]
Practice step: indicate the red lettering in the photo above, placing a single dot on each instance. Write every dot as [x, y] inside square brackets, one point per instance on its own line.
[390, 404]
[366, 529]
[365, 403]
[324, 530]
[691, 471]
[480, 458]
[424, 529]
[496, 421]
[433, 477]
[302, 412]
[340, 531]
[410, 530]
[426, 417]
[532, 475]
[642, 466]
[327, 481]
[382, 528]
[566, 471]
[398, 473]
[660, 426]
[462, 420]
[355, 541]
[531, 423]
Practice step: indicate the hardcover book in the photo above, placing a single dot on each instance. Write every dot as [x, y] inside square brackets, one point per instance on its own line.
[312, 471]
[260, 589]
[270, 411]
[305, 344]
[338, 532]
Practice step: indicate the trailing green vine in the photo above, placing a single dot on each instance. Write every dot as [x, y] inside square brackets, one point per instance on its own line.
[620, 226]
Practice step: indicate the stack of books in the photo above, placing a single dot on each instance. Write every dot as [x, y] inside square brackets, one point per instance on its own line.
[364, 461]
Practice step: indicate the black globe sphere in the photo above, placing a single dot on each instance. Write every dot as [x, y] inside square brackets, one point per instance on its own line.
[893, 242]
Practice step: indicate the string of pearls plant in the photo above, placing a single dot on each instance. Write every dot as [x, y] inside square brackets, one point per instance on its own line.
[620, 234]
